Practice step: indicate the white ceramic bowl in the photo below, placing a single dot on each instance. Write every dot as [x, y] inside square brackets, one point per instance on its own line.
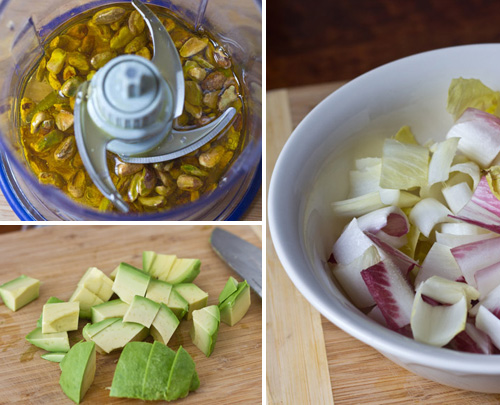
[312, 171]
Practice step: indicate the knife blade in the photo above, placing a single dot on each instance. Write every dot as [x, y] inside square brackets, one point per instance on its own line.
[243, 257]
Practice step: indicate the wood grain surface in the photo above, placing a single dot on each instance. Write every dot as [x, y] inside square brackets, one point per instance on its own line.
[357, 373]
[59, 255]
[296, 362]
[253, 213]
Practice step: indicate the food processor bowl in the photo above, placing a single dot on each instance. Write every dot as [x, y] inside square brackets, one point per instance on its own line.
[26, 27]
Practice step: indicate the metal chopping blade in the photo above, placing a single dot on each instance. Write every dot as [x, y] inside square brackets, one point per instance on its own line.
[145, 135]
[243, 257]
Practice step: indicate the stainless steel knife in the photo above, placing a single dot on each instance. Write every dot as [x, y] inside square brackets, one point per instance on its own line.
[243, 257]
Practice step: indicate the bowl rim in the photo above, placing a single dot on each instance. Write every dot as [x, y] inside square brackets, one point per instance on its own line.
[357, 324]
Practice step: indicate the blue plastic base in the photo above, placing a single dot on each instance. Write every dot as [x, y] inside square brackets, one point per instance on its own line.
[24, 215]
[10, 196]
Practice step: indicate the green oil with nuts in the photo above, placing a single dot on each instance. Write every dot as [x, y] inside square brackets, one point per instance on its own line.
[72, 55]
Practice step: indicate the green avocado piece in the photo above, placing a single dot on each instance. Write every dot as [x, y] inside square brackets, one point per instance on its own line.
[184, 271]
[157, 373]
[181, 375]
[164, 324]
[230, 287]
[205, 328]
[147, 260]
[87, 300]
[177, 304]
[162, 265]
[51, 300]
[234, 308]
[90, 330]
[195, 382]
[97, 282]
[111, 309]
[118, 334]
[60, 317]
[159, 291]
[56, 357]
[19, 292]
[194, 295]
[142, 310]
[130, 282]
[52, 342]
[130, 370]
[78, 372]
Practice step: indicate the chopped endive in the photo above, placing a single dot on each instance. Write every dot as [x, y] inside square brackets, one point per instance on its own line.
[469, 168]
[404, 165]
[405, 135]
[479, 134]
[438, 324]
[349, 277]
[357, 206]
[489, 324]
[441, 160]
[457, 196]
[426, 214]
[439, 262]
[464, 93]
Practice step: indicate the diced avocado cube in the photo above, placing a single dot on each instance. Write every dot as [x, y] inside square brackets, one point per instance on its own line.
[177, 304]
[164, 324]
[52, 342]
[157, 374]
[147, 260]
[184, 271]
[230, 287]
[112, 276]
[130, 371]
[87, 300]
[130, 282]
[111, 309]
[162, 265]
[97, 282]
[51, 300]
[90, 330]
[118, 334]
[205, 328]
[56, 357]
[159, 291]
[234, 308]
[142, 310]
[78, 372]
[19, 292]
[194, 295]
[60, 317]
[181, 375]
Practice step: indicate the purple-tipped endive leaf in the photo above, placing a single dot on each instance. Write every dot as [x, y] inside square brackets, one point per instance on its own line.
[391, 291]
[476, 256]
[483, 209]
[479, 134]
[391, 220]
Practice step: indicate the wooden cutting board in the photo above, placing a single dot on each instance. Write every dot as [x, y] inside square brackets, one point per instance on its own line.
[309, 359]
[59, 255]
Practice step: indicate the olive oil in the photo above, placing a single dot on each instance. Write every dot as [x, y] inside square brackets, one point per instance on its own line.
[73, 54]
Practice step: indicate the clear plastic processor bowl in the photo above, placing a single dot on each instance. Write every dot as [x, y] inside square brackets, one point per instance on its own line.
[235, 24]
[312, 171]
